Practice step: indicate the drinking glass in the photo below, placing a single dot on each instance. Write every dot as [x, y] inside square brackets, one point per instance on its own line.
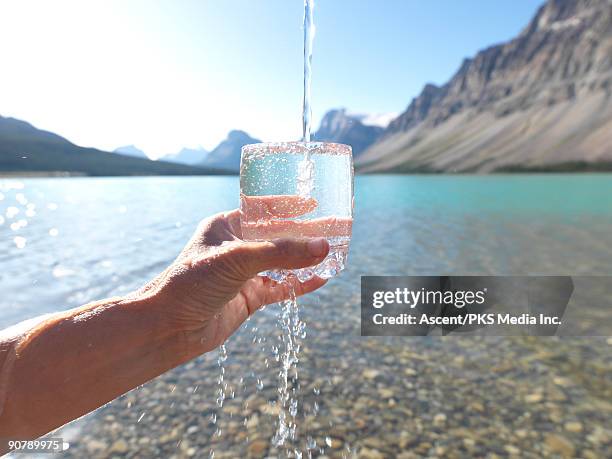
[298, 190]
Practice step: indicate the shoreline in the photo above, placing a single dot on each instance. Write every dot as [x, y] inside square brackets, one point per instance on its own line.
[70, 174]
[516, 172]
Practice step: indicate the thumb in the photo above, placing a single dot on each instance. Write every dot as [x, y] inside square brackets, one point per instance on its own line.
[282, 254]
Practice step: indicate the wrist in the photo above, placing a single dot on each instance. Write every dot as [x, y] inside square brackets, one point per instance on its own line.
[147, 310]
[175, 342]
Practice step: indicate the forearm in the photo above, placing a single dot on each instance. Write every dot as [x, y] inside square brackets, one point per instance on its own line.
[75, 362]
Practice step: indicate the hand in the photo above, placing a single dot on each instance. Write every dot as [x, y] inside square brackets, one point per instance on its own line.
[212, 287]
[73, 362]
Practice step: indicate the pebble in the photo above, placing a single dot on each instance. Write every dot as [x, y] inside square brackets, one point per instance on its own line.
[120, 446]
[385, 393]
[534, 398]
[368, 453]
[439, 420]
[560, 445]
[370, 373]
[512, 450]
[258, 448]
[573, 427]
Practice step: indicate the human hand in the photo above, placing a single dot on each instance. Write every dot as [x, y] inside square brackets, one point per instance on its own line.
[212, 287]
[94, 353]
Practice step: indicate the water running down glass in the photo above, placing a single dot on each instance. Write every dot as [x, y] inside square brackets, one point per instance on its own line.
[281, 198]
[298, 190]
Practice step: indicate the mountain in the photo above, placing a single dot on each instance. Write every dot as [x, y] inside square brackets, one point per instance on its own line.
[131, 150]
[541, 101]
[26, 149]
[226, 155]
[189, 156]
[342, 127]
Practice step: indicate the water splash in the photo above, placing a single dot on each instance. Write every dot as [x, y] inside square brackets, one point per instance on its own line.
[221, 380]
[222, 387]
[292, 330]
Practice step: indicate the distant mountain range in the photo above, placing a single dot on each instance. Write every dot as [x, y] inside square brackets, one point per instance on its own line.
[190, 156]
[226, 155]
[26, 149]
[542, 101]
[131, 150]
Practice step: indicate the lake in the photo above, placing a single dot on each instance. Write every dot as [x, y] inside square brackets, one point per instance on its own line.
[69, 241]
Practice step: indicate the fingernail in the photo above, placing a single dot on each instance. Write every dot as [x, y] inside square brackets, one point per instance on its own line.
[317, 247]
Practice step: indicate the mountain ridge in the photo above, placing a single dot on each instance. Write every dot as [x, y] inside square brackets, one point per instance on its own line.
[131, 150]
[339, 126]
[27, 149]
[189, 156]
[226, 155]
[539, 100]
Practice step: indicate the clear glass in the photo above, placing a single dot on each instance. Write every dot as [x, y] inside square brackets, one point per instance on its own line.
[300, 190]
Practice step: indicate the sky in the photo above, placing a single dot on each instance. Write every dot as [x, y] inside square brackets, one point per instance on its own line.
[166, 74]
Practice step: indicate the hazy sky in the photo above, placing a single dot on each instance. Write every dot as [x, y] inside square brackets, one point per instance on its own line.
[170, 73]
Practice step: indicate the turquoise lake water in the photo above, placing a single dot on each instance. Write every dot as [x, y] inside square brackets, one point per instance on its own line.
[69, 241]
[87, 238]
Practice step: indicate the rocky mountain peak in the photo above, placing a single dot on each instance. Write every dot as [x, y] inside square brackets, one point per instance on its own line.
[338, 125]
[562, 60]
[567, 40]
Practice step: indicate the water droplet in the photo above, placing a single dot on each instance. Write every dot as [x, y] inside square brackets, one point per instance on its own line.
[53, 232]
[21, 199]
[122, 209]
[311, 443]
[52, 206]
[328, 441]
[293, 407]
[11, 212]
[62, 271]
[19, 241]
[141, 416]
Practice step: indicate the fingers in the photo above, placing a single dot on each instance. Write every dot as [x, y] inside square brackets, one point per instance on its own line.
[257, 208]
[255, 257]
[281, 291]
